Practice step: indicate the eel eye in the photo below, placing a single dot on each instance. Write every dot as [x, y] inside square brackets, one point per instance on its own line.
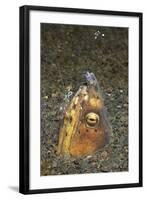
[92, 120]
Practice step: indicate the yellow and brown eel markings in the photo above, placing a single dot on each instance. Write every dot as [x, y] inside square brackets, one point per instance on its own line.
[84, 128]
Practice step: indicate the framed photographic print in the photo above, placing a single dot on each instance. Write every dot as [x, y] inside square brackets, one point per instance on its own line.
[80, 99]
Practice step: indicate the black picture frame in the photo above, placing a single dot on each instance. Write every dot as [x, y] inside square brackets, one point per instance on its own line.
[25, 105]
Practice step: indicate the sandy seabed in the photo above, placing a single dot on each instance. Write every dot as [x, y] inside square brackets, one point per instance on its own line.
[66, 52]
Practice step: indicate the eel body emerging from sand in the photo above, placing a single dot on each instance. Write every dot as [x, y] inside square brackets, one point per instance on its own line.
[84, 128]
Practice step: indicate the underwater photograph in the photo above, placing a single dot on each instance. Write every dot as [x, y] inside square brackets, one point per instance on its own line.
[84, 99]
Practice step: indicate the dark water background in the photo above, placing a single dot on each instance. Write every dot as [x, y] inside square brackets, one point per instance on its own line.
[66, 52]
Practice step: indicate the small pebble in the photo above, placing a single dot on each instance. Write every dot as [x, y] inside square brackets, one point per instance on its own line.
[104, 155]
[45, 97]
[125, 105]
[54, 164]
[119, 106]
[88, 157]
